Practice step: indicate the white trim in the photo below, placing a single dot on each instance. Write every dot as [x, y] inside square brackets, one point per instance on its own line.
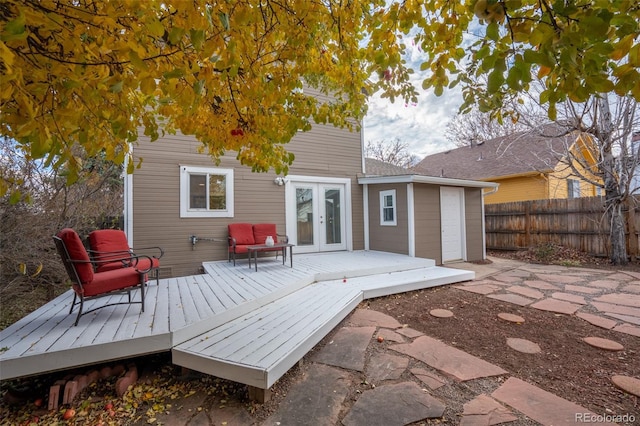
[427, 179]
[365, 212]
[394, 205]
[411, 218]
[185, 211]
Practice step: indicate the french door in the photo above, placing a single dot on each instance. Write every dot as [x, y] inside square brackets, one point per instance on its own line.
[319, 213]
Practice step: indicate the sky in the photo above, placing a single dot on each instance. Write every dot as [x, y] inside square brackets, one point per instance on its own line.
[421, 126]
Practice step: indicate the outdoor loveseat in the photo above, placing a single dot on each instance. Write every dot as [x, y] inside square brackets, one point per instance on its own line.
[243, 235]
[88, 283]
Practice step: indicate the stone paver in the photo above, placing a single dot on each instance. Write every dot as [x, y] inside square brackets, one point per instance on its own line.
[371, 318]
[393, 405]
[512, 298]
[626, 318]
[446, 358]
[628, 329]
[582, 289]
[620, 276]
[485, 411]
[441, 313]
[483, 289]
[559, 306]
[628, 384]
[347, 349]
[625, 299]
[608, 284]
[506, 278]
[526, 292]
[538, 404]
[385, 367]
[632, 288]
[316, 400]
[568, 297]
[606, 344]
[390, 335]
[597, 320]
[511, 317]
[523, 345]
[616, 309]
[541, 285]
[560, 279]
[409, 332]
[432, 380]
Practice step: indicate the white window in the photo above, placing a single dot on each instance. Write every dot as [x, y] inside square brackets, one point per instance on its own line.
[206, 192]
[388, 208]
[573, 188]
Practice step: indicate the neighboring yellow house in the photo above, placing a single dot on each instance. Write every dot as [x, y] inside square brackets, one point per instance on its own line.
[527, 165]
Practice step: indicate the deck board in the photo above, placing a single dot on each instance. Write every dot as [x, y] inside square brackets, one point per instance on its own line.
[182, 310]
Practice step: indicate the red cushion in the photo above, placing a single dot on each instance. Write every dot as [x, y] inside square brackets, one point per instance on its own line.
[76, 251]
[262, 230]
[117, 279]
[242, 232]
[109, 240]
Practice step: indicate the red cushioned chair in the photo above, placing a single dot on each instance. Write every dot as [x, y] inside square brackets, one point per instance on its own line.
[88, 284]
[110, 246]
[242, 235]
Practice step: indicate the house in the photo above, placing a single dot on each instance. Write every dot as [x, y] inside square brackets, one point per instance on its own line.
[529, 165]
[182, 201]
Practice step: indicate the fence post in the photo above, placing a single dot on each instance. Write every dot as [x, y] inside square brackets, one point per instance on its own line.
[527, 224]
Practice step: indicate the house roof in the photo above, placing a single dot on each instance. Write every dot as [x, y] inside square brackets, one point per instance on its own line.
[379, 172]
[375, 167]
[534, 151]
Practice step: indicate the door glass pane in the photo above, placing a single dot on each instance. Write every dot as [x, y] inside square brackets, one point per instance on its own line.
[332, 216]
[304, 215]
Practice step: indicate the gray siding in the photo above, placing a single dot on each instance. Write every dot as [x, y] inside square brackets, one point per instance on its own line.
[324, 151]
[427, 222]
[392, 239]
[473, 223]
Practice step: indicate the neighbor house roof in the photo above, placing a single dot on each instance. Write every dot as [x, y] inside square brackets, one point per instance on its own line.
[379, 172]
[535, 151]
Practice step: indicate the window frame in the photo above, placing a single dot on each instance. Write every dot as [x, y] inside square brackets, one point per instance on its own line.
[394, 207]
[573, 188]
[185, 174]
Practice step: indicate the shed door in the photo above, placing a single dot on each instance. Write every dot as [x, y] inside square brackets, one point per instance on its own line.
[452, 223]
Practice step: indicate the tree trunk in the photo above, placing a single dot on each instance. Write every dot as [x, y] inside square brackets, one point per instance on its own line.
[613, 196]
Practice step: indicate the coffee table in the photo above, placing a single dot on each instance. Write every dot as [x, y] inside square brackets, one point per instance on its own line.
[257, 248]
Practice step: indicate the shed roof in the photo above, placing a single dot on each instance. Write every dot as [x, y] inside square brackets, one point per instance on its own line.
[537, 150]
[375, 167]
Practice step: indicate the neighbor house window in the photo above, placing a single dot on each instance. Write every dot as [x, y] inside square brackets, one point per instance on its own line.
[206, 192]
[388, 208]
[573, 188]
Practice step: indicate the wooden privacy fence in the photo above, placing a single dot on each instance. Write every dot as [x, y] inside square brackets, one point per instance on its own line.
[579, 223]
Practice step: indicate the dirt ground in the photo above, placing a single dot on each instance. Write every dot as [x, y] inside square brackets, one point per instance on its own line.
[566, 367]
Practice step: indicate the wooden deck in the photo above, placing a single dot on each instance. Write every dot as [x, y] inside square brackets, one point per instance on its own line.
[231, 322]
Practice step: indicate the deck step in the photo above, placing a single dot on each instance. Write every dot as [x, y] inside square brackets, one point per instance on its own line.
[259, 347]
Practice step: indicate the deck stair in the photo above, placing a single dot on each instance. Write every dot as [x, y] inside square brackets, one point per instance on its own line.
[258, 348]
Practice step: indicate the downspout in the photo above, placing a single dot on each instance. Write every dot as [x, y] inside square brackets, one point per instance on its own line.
[365, 212]
[484, 228]
[128, 200]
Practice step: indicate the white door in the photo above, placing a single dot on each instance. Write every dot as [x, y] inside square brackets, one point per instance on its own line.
[452, 223]
[319, 223]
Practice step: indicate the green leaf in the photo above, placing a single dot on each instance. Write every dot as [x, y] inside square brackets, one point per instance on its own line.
[197, 38]
[14, 30]
[136, 61]
[175, 35]
[155, 27]
[148, 85]
[176, 73]
[224, 20]
[198, 86]
[493, 31]
[117, 87]
[495, 81]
